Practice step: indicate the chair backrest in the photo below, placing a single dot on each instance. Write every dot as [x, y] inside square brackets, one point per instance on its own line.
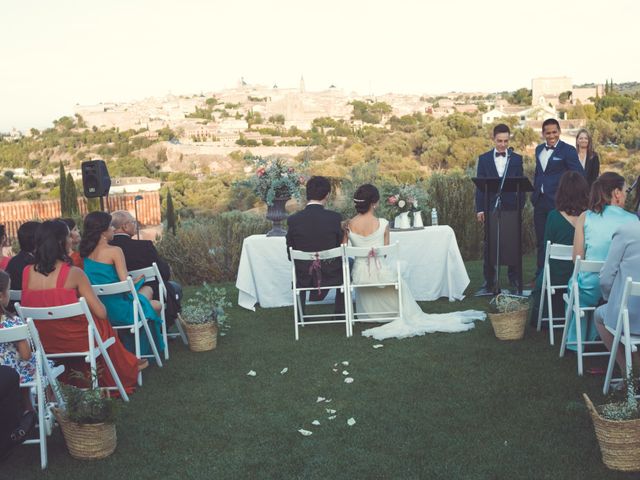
[56, 313]
[557, 251]
[14, 334]
[336, 252]
[392, 249]
[151, 274]
[631, 288]
[592, 266]
[125, 286]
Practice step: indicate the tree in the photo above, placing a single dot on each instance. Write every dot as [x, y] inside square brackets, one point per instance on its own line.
[63, 191]
[72, 197]
[171, 214]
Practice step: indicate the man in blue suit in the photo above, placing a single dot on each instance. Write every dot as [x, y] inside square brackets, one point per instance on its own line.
[553, 158]
[493, 164]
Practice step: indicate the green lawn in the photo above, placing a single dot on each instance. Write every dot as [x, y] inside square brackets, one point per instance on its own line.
[449, 406]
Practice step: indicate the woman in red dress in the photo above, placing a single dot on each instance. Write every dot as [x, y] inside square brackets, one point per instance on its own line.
[51, 282]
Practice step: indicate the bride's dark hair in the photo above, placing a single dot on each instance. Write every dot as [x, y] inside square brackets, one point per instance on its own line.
[365, 196]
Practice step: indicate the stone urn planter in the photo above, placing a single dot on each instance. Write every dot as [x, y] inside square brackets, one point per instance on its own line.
[276, 213]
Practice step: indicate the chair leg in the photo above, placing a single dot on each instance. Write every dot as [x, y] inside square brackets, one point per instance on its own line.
[579, 346]
[567, 320]
[42, 427]
[543, 293]
[165, 337]
[612, 362]
[112, 370]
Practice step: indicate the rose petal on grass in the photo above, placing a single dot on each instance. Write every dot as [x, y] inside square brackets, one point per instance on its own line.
[320, 399]
[351, 422]
[327, 400]
[378, 345]
[315, 422]
[251, 373]
[344, 372]
[345, 363]
[284, 370]
[348, 380]
[332, 417]
[334, 369]
[304, 432]
[330, 411]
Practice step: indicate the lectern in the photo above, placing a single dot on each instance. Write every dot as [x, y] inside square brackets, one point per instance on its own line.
[503, 228]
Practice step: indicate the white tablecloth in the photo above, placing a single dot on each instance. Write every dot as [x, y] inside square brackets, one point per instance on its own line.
[432, 267]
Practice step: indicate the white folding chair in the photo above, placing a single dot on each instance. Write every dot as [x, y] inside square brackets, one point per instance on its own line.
[15, 295]
[44, 375]
[96, 346]
[622, 333]
[139, 319]
[301, 318]
[578, 311]
[555, 251]
[151, 274]
[373, 256]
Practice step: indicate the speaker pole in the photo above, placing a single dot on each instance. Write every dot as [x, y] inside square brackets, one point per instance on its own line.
[102, 204]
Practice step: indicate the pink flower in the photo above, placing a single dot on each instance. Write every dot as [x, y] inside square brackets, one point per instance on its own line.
[392, 200]
[301, 180]
[290, 170]
[260, 172]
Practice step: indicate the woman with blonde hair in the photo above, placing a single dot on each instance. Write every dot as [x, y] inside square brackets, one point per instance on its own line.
[588, 158]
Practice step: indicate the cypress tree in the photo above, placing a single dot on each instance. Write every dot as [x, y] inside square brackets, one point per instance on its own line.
[63, 192]
[72, 196]
[171, 214]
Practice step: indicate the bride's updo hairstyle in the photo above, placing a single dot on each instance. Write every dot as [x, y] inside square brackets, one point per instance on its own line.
[365, 196]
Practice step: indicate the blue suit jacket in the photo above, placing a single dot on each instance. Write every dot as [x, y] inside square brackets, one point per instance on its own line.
[563, 159]
[487, 168]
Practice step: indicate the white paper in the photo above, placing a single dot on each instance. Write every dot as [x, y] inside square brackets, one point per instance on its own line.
[348, 380]
[304, 432]
[351, 422]
[251, 373]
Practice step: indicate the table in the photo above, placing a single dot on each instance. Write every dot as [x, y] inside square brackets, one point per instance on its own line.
[431, 263]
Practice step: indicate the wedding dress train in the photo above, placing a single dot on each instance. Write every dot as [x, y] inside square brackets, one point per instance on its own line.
[377, 299]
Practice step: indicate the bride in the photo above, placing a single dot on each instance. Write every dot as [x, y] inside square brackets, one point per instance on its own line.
[366, 230]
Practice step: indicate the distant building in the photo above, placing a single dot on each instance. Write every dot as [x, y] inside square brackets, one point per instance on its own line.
[547, 90]
[134, 184]
[524, 114]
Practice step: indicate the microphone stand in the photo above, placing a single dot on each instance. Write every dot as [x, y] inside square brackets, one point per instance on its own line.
[498, 209]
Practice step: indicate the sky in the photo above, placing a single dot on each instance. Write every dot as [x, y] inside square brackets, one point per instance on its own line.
[56, 54]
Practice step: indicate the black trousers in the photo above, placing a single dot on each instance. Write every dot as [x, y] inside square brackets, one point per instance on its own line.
[540, 213]
[10, 404]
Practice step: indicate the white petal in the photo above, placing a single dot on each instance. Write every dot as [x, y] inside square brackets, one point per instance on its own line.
[284, 370]
[378, 345]
[345, 363]
[330, 410]
[251, 373]
[320, 399]
[332, 417]
[334, 369]
[344, 372]
[327, 400]
[315, 422]
[348, 380]
[304, 432]
[351, 422]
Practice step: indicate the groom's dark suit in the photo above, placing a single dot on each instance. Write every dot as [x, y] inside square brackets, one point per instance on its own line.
[312, 230]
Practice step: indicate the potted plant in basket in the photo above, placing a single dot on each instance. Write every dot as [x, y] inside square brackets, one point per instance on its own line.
[87, 420]
[511, 317]
[203, 317]
[275, 182]
[617, 427]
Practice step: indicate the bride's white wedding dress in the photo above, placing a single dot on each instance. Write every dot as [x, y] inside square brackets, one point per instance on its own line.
[385, 299]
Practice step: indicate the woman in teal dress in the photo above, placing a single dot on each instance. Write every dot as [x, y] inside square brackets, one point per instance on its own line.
[572, 198]
[592, 239]
[104, 263]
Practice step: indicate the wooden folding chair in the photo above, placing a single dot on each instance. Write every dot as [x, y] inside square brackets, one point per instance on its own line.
[126, 287]
[151, 274]
[95, 345]
[578, 311]
[622, 333]
[555, 251]
[301, 318]
[44, 375]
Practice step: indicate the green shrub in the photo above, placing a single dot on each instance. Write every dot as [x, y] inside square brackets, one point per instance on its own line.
[208, 249]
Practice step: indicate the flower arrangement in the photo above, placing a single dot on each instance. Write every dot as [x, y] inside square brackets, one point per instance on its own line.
[207, 306]
[405, 198]
[274, 178]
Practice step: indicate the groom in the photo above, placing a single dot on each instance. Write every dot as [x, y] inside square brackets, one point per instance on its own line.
[312, 230]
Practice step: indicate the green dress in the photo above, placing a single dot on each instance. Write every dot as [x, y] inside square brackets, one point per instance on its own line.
[119, 308]
[556, 230]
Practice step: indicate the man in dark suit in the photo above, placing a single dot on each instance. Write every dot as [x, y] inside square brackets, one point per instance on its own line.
[142, 254]
[27, 241]
[553, 158]
[312, 230]
[497, 162]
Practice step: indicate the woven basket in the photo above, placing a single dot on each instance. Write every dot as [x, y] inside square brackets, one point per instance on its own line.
[87, 441]
[619, 440]
[202, 336]
[509, 326]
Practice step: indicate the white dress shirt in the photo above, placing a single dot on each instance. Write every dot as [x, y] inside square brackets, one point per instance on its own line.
[500, 161]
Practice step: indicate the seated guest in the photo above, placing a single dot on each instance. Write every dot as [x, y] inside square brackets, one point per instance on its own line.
[142, 254]
[26, 239]
[592, 239]
[74, 255]
[51, 282]
[4, 260]
[312, 230]
[623, 261]
[104, 263]
[572, 198]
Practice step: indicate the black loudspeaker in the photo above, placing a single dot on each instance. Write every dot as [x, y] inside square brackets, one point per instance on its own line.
[95, 179]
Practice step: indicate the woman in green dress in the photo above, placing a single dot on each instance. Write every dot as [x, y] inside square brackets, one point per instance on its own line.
[572, 199]
[104, 263]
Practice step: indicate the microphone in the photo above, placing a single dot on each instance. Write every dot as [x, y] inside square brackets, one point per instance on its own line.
[630, 189]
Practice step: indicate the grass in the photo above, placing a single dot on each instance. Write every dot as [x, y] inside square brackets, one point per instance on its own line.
[455, 406]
